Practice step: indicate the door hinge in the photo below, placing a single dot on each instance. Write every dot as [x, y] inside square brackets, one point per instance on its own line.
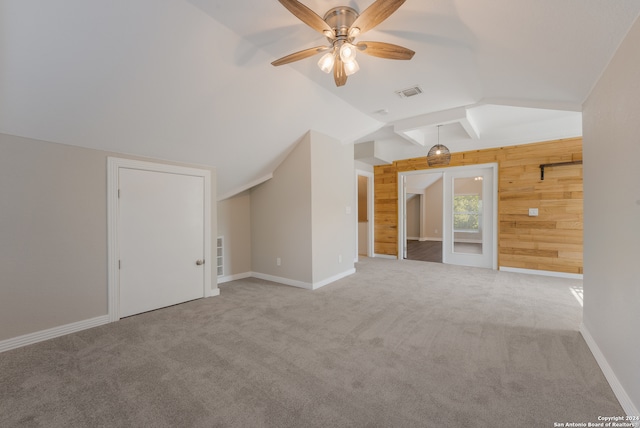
[119, 264]
[118, 193]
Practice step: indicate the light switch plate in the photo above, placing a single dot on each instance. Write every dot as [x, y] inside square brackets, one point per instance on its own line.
[533, 212]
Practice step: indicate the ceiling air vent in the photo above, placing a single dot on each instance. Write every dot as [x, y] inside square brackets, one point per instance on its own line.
[409, 92]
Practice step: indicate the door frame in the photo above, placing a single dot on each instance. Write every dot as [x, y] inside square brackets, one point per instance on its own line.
[449, 255]
[370, 213]
[113, 245]
[494, 217]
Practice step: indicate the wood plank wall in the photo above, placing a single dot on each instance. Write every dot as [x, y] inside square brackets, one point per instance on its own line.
[552, 241]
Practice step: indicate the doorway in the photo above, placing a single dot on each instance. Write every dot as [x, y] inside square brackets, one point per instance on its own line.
[424, 217]
[159, 236]
[458, 215]
[364, 215]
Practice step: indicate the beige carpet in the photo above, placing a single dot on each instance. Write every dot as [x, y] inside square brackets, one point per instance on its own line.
[399, 344]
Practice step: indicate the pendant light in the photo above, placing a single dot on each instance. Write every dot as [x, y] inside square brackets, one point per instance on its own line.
[439, 155]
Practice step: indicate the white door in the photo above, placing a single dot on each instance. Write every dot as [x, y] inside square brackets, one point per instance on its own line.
[468, 224]
[161, 239]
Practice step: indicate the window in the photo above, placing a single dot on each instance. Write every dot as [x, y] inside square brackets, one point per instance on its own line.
[467, 213]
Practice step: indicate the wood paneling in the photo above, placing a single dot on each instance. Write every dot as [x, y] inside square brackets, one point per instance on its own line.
[551, 241]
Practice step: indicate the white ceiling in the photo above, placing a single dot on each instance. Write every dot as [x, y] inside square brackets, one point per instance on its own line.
[191, 80]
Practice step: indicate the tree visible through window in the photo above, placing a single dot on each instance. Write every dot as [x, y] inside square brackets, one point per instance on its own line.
[467, 211]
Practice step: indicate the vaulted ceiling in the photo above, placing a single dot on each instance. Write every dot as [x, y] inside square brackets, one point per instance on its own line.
[191, 80]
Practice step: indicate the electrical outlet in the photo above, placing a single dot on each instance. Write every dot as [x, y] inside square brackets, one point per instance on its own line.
[533, 212]
[278, 261]
[435, 231]
[340, 258]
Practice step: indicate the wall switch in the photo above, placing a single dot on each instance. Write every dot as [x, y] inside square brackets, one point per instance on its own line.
[533, 212]
[348, 210]
[278, 261]
[340, 258]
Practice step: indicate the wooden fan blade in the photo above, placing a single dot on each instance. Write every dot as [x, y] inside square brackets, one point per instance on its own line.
[339, 74]
[385, 50]
[297, 56]
[375, 14]
[309, 17]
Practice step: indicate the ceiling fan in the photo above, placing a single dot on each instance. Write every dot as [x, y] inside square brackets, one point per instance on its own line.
[341, 25]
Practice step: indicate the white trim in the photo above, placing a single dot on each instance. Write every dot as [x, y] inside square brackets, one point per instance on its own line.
[609, 374]
[412, 238]
[542, 272]
[281, 280]
[113, 250]
[51, 333]
[235, 277]
[301, 284]
[385, 256]
[431, 238]
[334, 278]
[370, 212]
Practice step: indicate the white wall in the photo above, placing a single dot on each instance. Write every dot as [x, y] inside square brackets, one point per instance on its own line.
[281, 219]
[333, 208]
[53, 235]
[433, 211]
[611, 118]
[363, 166]
[234, 224]
[300, 215]
[414, 218]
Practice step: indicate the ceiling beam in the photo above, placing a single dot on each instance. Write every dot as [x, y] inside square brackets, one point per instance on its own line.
[412, 129]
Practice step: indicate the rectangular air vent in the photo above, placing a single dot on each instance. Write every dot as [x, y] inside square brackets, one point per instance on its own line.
[409, 92]
[219, 255]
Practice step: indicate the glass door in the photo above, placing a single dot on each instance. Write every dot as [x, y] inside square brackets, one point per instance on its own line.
[469, 217]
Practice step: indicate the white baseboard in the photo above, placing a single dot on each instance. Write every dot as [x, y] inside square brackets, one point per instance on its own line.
[385, 256]
[40, 336]
[541, 272]
[229, 278]
[51, 333]
[334, 278]
[431, 238]
[301, 284]
[616, 386]
[412, 238]
[281, 280]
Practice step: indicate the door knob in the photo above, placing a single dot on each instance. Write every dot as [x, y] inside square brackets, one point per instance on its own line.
[199, 262]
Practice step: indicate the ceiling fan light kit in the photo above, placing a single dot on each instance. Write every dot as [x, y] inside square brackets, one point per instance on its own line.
[326, 62]
[341, 25]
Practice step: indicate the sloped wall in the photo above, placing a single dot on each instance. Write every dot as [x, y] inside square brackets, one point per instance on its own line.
[281, 219]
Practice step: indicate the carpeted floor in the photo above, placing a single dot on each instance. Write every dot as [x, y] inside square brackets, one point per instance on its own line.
[398, 344]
